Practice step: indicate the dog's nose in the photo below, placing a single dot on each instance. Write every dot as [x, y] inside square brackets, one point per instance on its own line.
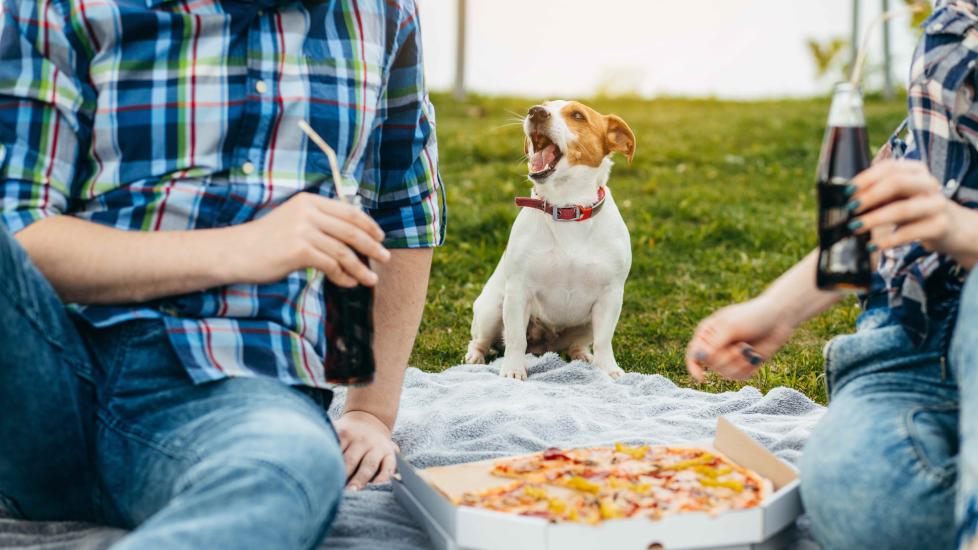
[538, 114]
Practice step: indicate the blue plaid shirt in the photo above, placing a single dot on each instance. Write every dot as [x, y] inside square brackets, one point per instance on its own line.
[157, 115]
[942, 131]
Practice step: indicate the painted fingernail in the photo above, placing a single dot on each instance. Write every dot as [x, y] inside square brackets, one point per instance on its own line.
[849, 190]
[700, 356]
[751, 355]
[871, 247]
[855, 224]
[852, 205]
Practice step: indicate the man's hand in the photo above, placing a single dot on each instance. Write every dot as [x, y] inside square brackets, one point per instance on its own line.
[905, 203]
[735, 340]
[367, 449]
[309, 231]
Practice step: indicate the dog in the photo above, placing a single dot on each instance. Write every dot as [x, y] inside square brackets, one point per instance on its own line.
[560, 282]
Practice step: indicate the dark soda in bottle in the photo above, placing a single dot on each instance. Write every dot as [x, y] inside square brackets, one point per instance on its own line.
[349, 333]
[843, 259]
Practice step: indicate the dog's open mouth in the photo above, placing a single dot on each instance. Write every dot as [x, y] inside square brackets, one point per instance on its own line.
[544, 157]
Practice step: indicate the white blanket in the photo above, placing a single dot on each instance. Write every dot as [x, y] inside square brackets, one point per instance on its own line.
[468, 413]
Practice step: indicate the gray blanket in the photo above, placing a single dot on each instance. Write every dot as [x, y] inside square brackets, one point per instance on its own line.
[468, 413]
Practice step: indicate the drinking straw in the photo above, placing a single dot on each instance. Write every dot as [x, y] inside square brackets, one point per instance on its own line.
[334, 165]
[856, 77]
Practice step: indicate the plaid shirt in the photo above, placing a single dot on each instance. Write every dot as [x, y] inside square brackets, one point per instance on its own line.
[943, 133]
[156, 115]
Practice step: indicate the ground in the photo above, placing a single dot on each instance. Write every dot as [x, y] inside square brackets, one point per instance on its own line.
[719, 200]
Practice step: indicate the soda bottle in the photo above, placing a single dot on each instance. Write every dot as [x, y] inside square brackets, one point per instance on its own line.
[349, 332]
[843, 259]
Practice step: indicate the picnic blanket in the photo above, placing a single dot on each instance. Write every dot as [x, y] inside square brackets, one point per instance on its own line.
[469, 413]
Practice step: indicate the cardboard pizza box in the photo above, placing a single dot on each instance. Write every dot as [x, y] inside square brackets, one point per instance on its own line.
[427, 495]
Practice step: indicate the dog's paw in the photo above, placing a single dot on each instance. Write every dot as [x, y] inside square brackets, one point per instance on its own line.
[475, 357]
[513, 370]
[581, 355]
[613, 371]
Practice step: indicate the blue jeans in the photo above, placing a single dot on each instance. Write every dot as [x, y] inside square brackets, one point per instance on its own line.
[894, 461]
[105, 425]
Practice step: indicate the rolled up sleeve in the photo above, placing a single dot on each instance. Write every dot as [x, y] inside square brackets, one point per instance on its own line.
[41, 104]
[401, 186]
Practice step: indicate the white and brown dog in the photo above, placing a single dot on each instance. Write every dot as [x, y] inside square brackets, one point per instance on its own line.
[560, 283]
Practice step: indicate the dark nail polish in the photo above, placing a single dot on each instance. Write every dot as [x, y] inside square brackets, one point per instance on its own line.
[751, 356]
[855, 224]
[871, 247]
[850, 189]
[852, 205]
[700, 356]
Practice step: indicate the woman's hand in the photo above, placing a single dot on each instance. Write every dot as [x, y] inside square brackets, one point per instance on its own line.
[735, 340]
[368, 451]
[904, 203]
[308, 231]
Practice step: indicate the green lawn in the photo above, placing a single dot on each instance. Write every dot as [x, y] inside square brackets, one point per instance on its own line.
[719, 201]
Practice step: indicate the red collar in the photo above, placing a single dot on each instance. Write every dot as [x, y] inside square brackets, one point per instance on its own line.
[568, 213]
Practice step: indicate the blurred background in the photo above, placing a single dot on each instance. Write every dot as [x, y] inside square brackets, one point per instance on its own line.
[716, 48]
[728, 100]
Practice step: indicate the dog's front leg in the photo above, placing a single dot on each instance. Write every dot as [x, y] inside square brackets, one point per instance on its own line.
[516, 317]
[604, 319]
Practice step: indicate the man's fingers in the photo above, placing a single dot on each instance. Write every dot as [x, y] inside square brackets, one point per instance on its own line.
[387, 467]
[354, 237]
[332, 269]
[366, 470]
[351, 459]
[351, 214]
[346, 258]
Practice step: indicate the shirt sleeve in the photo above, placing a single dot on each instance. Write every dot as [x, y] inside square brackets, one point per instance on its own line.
[42, 126]
[401, 186]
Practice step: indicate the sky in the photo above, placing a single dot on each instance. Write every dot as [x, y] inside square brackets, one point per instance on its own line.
[574, 48]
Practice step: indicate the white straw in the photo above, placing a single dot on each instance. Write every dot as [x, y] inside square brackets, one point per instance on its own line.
[334, 165]
[856, 77]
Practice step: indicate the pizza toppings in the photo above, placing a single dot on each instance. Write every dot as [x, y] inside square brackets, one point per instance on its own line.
[601, 483]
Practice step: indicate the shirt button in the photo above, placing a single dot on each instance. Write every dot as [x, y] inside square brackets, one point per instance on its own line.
[261, 87]
[936, 27]
[248, 168]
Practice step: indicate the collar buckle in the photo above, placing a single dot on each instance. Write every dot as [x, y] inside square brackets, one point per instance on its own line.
[578, 213]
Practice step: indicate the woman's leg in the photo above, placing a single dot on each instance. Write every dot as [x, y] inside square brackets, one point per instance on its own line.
[879, 470]
[964, 361]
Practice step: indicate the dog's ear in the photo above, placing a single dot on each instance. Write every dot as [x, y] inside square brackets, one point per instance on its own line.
[619, 137]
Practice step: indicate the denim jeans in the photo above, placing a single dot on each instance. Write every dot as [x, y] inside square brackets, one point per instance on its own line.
[105, 425]
[894, 461]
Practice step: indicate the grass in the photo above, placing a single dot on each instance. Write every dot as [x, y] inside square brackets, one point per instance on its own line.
[719, 201]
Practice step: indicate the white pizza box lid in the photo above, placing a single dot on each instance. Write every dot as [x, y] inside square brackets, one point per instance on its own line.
[427, 496]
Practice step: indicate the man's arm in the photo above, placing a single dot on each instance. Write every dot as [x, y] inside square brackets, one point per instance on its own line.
[366, 425]
[89, 263]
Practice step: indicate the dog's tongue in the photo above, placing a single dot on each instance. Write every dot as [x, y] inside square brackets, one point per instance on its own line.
[541, 160]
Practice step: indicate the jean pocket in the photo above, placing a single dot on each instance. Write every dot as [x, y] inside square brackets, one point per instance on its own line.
[886, 348]
[933, 431]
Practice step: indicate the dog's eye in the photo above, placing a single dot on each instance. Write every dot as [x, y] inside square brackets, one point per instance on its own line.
[577, 115]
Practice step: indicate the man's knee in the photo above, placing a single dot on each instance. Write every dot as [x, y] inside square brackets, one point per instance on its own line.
[287, 457]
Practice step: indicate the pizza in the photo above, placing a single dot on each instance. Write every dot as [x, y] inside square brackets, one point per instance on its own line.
[600, 483]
